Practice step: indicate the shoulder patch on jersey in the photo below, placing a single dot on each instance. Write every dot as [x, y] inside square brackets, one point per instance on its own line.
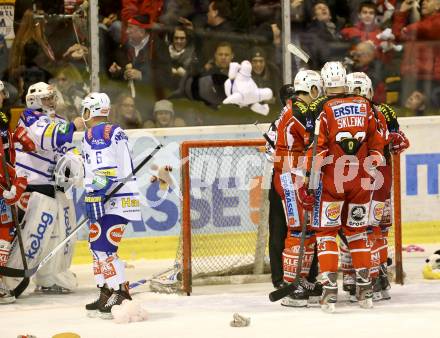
[29, 117]
[121, 135]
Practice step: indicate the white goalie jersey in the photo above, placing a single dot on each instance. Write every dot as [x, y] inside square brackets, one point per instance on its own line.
[106, 154]
[52, 137]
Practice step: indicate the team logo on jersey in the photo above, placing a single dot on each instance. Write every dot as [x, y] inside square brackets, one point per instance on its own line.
[349, 109]
[94, 232]
[357, 215]
[358, 212]
[378, 211]
[113, 204]
[115, 233]
[333, 211]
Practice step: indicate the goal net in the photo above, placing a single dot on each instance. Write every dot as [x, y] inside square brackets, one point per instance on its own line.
[225, 215]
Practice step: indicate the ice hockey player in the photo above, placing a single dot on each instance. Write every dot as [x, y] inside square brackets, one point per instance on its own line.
[107, 161]
[52, 137]
[10, 195]
[359, 83]
[289, 149]
[348, 144]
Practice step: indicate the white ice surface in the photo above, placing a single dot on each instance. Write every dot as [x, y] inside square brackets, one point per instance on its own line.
[412, 312]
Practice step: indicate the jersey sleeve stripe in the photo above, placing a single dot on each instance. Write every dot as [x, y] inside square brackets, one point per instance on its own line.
[33, 170]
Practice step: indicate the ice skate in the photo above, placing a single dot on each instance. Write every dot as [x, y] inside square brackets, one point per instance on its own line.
[104, 295]
[384, 282]
[349, 285]
[116, 298]
[364, 289]
[329, 292]
[297, 298]
[314, 291]
[6, 295]
[377, 289]
[52, 290]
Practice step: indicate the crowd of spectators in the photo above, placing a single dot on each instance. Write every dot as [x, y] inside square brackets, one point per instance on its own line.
[154, 53]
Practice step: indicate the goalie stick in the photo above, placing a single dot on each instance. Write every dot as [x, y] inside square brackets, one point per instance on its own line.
[13, 272]
[289, 288]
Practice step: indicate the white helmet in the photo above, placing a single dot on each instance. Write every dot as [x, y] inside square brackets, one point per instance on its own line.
[306, 79]
[98, 104]
[333, 74]
[362, 81]
[39, 91]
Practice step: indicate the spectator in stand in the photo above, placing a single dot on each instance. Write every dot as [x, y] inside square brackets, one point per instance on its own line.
[364, 60]
[182, 55]
[218, 29]
[70, 89]
[3, 56]
[416, 103]
[264, 73]
[164, 116]
[132, 8]
[143, 61]
[421, 53]
[322, 39]
[366, 28]
[125, 113]
[222, 58]
[31, 59]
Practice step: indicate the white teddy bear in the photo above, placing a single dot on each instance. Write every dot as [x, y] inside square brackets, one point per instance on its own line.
[242, 90]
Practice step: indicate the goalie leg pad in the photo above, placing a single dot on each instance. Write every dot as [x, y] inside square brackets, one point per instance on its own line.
[57, 272]
[40, 218]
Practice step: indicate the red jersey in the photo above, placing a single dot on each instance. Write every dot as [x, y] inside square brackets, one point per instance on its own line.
[290, 139]
[348, 126]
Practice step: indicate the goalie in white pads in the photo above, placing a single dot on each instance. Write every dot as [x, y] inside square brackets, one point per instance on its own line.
[48, 215]
[107, 161]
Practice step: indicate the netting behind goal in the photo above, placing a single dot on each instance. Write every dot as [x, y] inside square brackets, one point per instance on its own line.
[224, 214]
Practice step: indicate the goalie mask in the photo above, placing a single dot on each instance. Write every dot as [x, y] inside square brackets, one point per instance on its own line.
[69, 171]
[361, 81]
[41, 96]
[95, 105]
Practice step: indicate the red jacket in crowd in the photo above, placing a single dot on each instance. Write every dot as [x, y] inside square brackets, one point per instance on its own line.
[421, 57]
[360, 32]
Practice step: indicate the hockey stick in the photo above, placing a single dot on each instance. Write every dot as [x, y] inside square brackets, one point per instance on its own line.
[289, 288]
[266, 137]
[25, 282]
[146, 280]
[11, 272]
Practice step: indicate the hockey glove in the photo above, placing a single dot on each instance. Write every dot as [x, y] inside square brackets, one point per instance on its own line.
[399, 142]
[17, 189]
[21, 136]
[305, 199]
[94, 202]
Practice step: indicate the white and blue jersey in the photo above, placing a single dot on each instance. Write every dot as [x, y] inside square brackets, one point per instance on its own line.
[52, 137]
[106, 154]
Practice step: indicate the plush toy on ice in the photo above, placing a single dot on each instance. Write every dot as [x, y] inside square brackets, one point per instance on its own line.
[431, 270]
[242, 90]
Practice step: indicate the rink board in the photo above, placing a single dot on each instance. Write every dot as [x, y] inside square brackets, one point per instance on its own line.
[419, 171]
